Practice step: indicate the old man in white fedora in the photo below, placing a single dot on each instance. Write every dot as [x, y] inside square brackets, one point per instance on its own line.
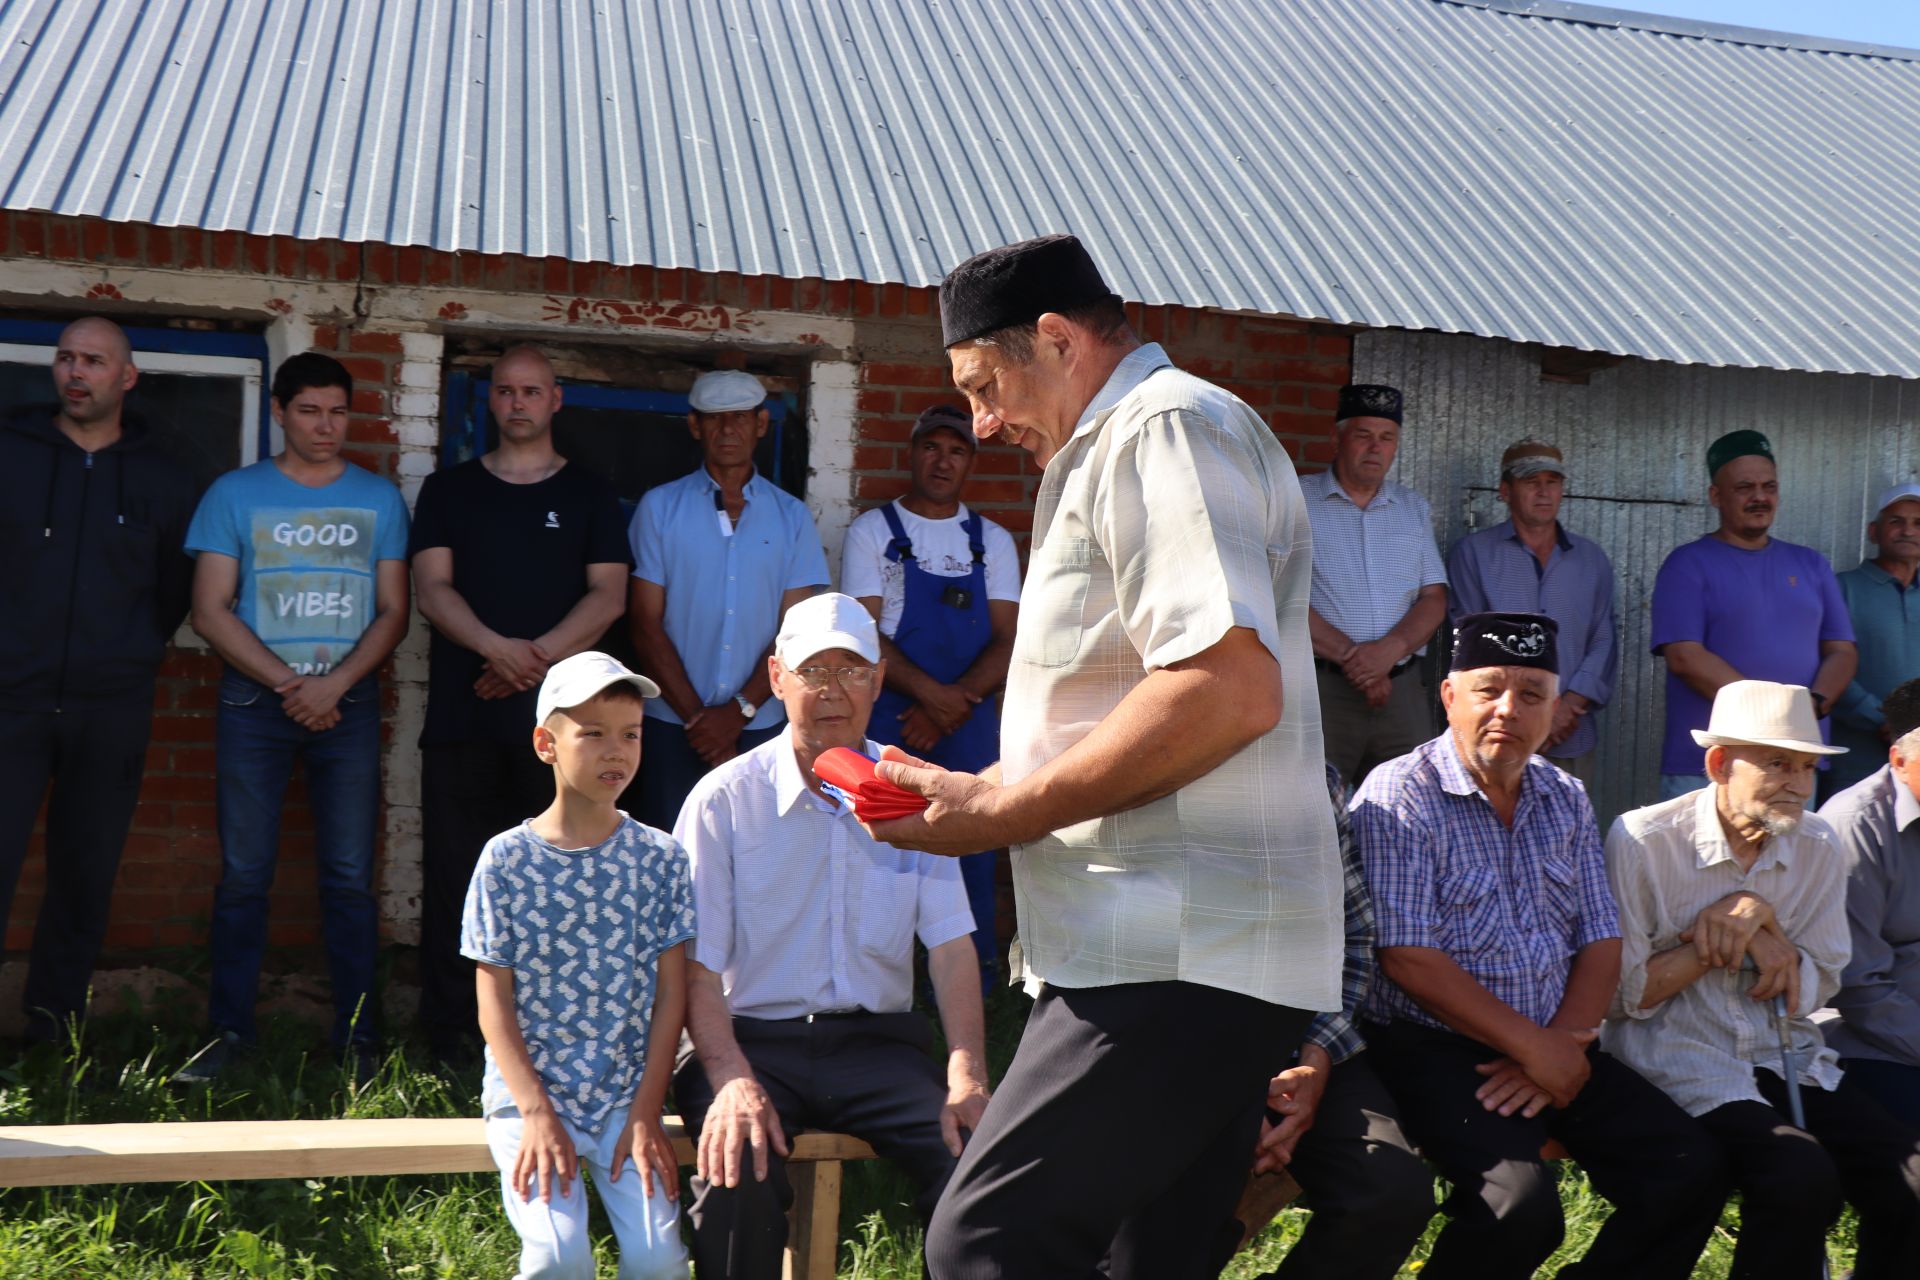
[1733, 932]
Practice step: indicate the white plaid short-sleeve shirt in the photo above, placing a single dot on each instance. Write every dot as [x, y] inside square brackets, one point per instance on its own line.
[1171, 516]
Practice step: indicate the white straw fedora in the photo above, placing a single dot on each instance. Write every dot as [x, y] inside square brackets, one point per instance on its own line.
[1761, 713]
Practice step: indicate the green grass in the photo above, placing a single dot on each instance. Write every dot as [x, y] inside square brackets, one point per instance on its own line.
[416, 1227]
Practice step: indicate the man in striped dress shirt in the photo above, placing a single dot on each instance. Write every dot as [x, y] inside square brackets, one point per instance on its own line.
[1379, 589]
[1532, 563]
[1739, 870]
[1499, 951]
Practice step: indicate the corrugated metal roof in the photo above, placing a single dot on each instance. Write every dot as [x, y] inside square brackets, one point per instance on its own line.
[1540, 172]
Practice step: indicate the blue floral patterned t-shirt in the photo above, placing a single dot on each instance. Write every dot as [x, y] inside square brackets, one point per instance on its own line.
[582, 930]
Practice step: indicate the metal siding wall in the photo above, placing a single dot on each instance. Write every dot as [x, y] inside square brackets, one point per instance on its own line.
[1640, 431]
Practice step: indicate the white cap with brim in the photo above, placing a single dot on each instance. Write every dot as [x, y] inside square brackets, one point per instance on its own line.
[830, 621]
[572, 681]
[1899, 493]
[1760, 713]
[726, 391]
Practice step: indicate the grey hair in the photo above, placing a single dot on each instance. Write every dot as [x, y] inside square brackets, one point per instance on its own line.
[1908, 743]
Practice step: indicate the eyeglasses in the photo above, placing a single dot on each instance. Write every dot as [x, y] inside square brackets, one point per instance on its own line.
[815, 678]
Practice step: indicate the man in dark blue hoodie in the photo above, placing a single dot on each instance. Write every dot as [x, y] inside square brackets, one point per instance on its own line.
[92, 583]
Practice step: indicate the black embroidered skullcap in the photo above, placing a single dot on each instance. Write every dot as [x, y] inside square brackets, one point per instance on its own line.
[1368, 400]
[1506, 640]
[1736, 444]
[1017, 284]
[1900, 710]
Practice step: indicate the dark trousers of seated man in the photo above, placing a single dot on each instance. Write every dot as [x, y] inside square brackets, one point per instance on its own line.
[1659, 1168]
[1793, 1183]
[867, 1074]
[1370, 1193]
[1079, 1158]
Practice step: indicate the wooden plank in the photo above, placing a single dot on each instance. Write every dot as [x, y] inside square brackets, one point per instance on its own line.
[71, 1155]
[813, 1227]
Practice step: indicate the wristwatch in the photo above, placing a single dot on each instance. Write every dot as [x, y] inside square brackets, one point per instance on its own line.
[747, 709]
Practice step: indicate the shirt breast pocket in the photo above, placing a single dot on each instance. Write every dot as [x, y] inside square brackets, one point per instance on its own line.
[1559, 895]
[1053, 601]
[1470, 910]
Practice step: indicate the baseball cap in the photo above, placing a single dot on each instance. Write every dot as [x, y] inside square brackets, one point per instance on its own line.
[945, 417]
[726, 391]
[830, 621]
[572, 681]
[1899, 493]
[1525, 458]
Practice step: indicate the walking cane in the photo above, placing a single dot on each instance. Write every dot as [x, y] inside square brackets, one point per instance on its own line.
[1796, 1111]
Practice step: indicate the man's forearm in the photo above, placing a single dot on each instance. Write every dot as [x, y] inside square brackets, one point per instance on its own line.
[1178, 724]
[1329, 641]
[989, 670]
[380, 638]
[903, 677]
[240, 648]
[954, 968]
[711, 1027]
[1669, 973]
[1439, 985]
[661, 660]
[1591, 982]
[586, 622]
[1836, 672]
[1699, 668]
[1418, 624]
[450, 615]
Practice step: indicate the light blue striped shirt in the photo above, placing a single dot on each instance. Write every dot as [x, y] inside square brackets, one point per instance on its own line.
[1369, 563]
[1493, 569]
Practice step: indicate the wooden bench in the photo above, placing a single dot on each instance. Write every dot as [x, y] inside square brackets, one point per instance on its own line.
[213, 1151]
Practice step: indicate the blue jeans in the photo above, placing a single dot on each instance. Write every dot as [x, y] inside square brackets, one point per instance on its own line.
[255, 747]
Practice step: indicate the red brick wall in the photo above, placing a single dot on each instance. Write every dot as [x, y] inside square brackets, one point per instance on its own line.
[1287, 370]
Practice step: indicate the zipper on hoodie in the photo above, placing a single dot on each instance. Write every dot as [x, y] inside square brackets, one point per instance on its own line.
[73, 582]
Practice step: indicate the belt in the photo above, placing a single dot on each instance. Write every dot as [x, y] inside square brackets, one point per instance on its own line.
[1333, 668]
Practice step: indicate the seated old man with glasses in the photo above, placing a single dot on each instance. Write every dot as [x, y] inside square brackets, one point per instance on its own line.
[800, 985]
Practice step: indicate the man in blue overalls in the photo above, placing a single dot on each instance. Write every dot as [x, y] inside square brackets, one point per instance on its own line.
[944, 585]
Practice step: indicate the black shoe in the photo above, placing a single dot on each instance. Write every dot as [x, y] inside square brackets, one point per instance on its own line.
[205, 1066]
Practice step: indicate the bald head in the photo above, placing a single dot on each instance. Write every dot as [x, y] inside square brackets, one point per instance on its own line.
[524, 396]
[92, 372]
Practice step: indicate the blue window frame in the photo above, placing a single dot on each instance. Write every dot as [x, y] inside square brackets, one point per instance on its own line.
[637, 439]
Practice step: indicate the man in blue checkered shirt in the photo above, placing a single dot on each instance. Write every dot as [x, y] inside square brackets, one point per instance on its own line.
[1499, 950]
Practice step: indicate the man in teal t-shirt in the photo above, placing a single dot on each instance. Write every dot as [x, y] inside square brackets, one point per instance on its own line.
[300, 585]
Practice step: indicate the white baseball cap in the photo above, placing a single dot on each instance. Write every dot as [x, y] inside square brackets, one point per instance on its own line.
[1899, 493]
[572, 681]
[725, 391]
[1761, 713]
[830, 621]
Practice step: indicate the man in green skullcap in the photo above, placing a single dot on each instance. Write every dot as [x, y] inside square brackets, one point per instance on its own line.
[1740, 604]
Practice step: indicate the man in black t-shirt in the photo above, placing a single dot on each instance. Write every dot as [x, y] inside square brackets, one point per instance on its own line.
[519, 560]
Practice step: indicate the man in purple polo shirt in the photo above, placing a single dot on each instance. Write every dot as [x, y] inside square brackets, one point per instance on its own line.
[1739, 604]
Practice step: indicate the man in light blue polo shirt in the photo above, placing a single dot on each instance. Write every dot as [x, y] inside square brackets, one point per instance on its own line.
[1883, 600]
[719, 556]
[1379, 589]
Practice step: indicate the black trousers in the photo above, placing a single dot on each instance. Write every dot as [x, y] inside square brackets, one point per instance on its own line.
[1658, 1166]
[1793, 1182]
[866, 1074]
[94, 759]
[1371, 1194]
[1128, 1116]
[469, 793]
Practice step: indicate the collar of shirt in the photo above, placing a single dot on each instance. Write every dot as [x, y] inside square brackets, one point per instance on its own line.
[1451, 770]
[790, 788]
[1879, 575]
[1710, 839]
[750, 490]
[1507, 530]
[1905, 807]
[1385, 496]
[1133, 369]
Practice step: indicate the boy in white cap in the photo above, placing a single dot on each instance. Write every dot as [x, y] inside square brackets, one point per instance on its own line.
[800, 989]
[576, 921]
[1732, 896]
[719, 555]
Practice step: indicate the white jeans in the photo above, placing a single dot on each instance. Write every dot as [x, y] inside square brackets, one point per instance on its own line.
[553, 1235]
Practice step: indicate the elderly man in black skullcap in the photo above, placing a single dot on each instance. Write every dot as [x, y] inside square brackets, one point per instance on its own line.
[1379, 587]
[1161, 786]
[1499, 946]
